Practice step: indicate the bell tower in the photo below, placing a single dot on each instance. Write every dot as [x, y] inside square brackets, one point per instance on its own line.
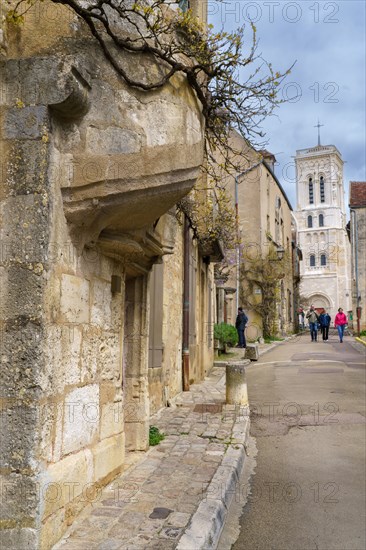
[321, 217]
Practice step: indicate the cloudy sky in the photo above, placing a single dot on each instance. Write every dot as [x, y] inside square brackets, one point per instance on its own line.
[327, 41]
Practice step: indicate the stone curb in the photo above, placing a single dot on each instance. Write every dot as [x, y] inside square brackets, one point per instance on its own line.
[206, 524]
[204, 529]
[360, 340]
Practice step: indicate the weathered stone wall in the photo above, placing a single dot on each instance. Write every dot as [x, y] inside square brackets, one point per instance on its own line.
[88, 167]
[165, 381]
[258, 195]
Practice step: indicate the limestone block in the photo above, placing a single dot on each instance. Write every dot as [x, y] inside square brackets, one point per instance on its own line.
[18, 498]
[101, 304]
[24, 538]
[47, 423]
[112, 140]
[74, 304]
[81, 418]
[58, 433]
[117, 305]
[111, 421]
[137, 436]
[21, 358]
[164, 119]
[89, 353]
[137, 403]
[109, 356]
[27, 159]
[18, 421]
[108, 455]
[52, 529]
[26, 122]
[193, 127]
[252, 352]
[64, 481]
[62, 357]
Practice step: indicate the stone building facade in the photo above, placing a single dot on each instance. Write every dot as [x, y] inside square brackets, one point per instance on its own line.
[357, 204]
[90, 171]
[167, 341]
[321, 218]
[265, 225]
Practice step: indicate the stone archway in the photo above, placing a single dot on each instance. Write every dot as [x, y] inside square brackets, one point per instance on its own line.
[320, 300]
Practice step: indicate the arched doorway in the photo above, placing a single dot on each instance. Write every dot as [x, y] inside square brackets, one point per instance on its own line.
[320, 301]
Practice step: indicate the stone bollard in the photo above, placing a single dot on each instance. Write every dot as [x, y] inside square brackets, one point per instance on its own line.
[252, 352]
[236, 386]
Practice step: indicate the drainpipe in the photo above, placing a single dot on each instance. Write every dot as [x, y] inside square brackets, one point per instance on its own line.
[355, 249]
[186, 299]
[297, 264]
[237, 243]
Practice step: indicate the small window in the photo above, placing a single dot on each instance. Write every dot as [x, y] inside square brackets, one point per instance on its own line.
[323, 259]
[312, 260]
[322, 189]
[311, 191]
[310, 221]
[321, 220]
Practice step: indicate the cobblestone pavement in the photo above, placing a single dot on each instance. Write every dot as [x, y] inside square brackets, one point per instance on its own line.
[152, 503]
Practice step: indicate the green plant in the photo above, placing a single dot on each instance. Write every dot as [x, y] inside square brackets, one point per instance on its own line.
[363, 333]
[155, 436]
[264, 273]
[227, 334]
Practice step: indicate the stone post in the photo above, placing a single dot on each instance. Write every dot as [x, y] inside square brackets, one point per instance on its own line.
[236, 386]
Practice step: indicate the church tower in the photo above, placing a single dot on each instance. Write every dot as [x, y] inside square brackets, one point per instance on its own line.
[321, 217]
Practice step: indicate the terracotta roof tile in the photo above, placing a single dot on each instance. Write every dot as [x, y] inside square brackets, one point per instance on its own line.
[357, 194]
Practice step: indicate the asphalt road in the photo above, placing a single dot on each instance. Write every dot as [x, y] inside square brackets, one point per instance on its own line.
[308, 421]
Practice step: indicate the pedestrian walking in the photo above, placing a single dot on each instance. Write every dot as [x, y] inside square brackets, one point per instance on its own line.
[240, 324]
[324, 320]
[313, 317]
[340, 323]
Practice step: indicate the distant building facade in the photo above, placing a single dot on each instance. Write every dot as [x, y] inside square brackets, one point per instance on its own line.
[357, 204]
[321, 219]
[265, 226]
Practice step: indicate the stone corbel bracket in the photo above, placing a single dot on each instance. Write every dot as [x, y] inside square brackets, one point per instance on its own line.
[76, 103]
[138, 250]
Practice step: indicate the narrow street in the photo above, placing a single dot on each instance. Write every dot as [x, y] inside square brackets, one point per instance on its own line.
[308, 420]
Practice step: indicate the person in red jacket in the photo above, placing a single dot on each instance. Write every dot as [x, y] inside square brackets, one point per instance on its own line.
[340, 323]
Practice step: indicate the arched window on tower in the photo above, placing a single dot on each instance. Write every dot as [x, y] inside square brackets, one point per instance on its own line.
[321, 220]
[312, 260]
[322, 189]
[310, 221]
[311, 191]
[323, 259]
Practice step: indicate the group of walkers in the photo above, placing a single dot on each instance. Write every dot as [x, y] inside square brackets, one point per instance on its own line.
[324, 319]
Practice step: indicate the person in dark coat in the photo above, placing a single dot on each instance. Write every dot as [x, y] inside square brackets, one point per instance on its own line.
[240, 324]
[324, 320]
